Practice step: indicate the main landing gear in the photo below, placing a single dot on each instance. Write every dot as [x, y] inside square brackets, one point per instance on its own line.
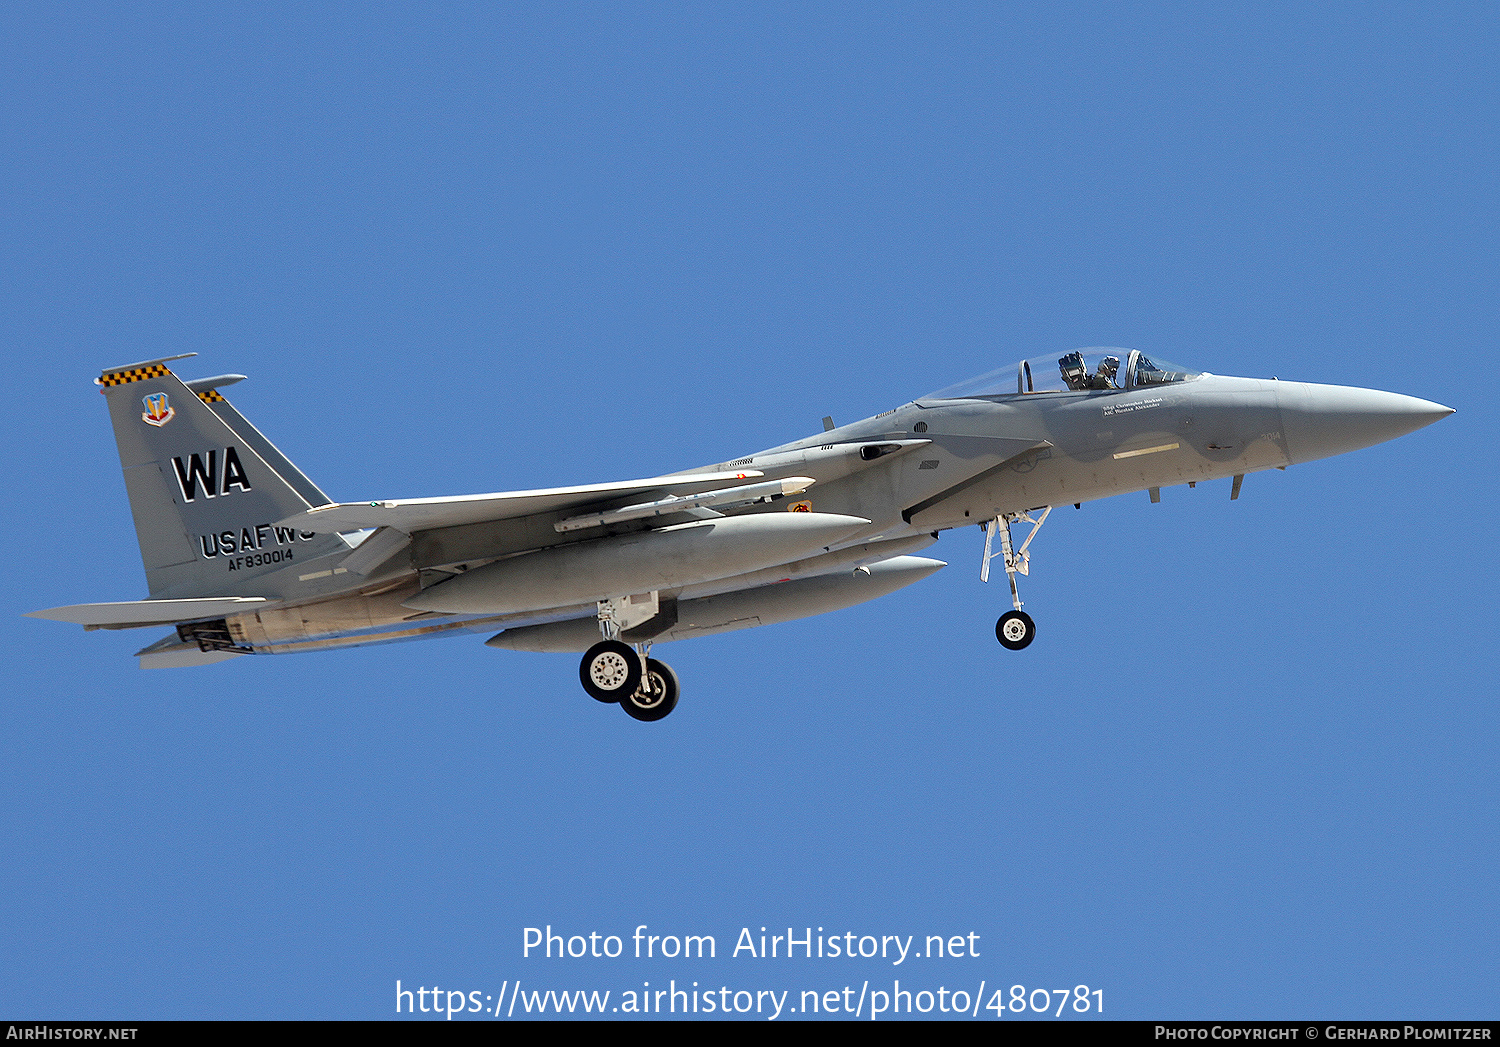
[609, 671]
[614, 672]
[1015, 629]
[657, 694]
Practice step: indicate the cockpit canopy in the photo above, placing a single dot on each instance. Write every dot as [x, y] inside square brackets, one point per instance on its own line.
[1079, 371]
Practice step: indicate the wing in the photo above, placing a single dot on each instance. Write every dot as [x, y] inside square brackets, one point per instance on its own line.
[425, 514]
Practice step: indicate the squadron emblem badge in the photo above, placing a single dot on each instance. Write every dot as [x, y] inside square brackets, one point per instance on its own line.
[158, 411]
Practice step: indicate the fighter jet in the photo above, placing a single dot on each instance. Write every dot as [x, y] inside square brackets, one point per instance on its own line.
[246, 555]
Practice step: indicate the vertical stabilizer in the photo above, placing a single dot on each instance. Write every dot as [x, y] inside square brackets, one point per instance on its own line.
[204, 497]
[209, 393]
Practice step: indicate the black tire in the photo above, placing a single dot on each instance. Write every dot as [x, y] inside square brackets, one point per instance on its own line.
[1015, 630]
[610, 670]
[655, 701]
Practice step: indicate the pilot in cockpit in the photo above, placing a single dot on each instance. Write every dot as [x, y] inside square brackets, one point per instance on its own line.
[1075, 374]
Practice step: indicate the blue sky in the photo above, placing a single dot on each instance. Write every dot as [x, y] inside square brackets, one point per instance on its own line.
[1247, 768]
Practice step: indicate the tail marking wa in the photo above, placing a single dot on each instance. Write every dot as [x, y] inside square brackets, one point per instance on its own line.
[193, 471]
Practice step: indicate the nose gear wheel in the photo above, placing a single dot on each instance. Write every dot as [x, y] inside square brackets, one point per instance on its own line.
[1015, 630]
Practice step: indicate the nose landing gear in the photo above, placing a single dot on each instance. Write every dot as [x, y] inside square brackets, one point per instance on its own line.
[1015, 629]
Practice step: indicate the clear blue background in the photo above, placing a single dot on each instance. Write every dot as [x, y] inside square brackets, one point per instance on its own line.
[1246, 770]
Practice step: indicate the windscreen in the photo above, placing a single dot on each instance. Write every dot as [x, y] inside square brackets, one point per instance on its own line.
[1082, 370]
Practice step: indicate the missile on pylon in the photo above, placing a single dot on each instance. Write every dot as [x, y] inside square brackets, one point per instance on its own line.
[668, 558]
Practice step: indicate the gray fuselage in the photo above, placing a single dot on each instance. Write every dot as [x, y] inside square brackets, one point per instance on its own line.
[925, 467]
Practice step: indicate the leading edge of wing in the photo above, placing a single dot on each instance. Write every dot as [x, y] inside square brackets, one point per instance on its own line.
[424, 514]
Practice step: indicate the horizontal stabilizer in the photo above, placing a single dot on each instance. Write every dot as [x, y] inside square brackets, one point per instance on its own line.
[147, 612]
[172, 653]
[187, 658]
[425, 514]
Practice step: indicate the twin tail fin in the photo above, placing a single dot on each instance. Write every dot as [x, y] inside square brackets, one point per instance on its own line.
[207, 488]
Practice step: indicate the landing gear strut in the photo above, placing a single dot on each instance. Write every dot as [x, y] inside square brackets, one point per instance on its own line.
[1015, 629]
[614, 672]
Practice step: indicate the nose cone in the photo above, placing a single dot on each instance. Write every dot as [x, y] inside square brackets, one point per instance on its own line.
[1324, 420]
